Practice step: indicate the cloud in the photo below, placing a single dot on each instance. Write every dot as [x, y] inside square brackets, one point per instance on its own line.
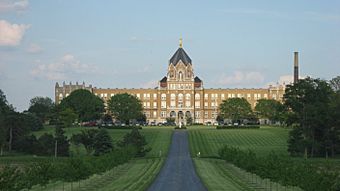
[8, 5]
[243, 78]
[284, 80]
[34, 48]
[11, 34]
[150, 84]
[65, 67]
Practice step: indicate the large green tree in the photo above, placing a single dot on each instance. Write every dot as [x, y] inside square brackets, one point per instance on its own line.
[67, 117]
[236, 109]
[270, 109]
[41, 107]
[309, 101]
[85, 104]
[125, 107]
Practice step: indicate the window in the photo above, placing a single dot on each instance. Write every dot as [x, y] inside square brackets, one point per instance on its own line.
[206, 96]
[212, 104]
[187, 96]
[205, 114]
[155, 105]
[197, 96]
[239, 95]
[154, 96]
[248, 96]
[147, 104]
[229, 95]
[105, 95]
[163, 114]
[155, 114]
[265, 96]
[222, 96]
[187, 103]
[197, 114]
[163, 104]
[163, 96]
[232, 95]
[60, 95]
[172, 104]
[138, 96]
[197, 104]
[205, 104]
[173, 97]
[112, 95]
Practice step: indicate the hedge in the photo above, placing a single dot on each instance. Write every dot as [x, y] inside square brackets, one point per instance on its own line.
[283, 169]
[238, 127]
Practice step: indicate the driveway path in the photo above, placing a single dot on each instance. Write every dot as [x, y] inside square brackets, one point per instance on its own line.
[178, 172]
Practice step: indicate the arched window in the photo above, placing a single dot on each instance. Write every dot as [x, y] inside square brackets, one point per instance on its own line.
[180, 97]
[180, 76]
[187, 96]
[173, 96]
[197, 96]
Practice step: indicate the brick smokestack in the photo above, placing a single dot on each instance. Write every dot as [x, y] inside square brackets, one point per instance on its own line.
[296, 67]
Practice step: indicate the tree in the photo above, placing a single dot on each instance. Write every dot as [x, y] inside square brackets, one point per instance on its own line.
[47, 144]
[61, 142]
[335, 83]
[309, 102]
[41, 107]
[270, 109]
[67, 117]
[15, 128]
[236, 109]
[87, 106]
[87, 138]
[32, 122]
[102, 143]
[125, 107]
[137, 140]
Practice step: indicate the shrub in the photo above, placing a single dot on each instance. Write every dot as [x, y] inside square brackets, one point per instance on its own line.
[238, 127]
[183, 127]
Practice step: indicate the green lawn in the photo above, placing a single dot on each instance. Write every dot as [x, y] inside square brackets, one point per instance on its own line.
[135, 175]
[208, 140]
[218, 175]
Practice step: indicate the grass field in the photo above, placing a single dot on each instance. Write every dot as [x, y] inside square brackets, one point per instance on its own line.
[208, 141]
[219, 175]
[136, 175]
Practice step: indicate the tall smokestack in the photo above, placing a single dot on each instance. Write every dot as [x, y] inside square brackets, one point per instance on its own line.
[296, 67]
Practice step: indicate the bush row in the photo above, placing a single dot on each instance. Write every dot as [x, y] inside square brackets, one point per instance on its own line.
[69, 170]
[238, 127]
[121, 127]
[283, 169]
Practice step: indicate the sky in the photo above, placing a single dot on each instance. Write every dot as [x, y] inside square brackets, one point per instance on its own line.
[128, 44]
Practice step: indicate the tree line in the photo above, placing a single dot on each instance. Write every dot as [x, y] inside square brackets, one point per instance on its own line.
[310, 106]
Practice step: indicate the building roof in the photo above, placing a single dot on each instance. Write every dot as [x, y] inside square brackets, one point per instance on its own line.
[197, 79]
[164, 79]
[180, 54]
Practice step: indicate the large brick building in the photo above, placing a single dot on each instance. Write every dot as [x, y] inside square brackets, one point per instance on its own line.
[179, 94]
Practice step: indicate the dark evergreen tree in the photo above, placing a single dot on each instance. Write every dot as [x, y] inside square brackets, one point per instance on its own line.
[137, 140]
[102, 142]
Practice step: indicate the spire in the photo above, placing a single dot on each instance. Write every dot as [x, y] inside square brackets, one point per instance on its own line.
[181, 42]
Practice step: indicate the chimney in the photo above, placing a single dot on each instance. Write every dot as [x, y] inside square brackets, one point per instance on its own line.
[296, 67]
